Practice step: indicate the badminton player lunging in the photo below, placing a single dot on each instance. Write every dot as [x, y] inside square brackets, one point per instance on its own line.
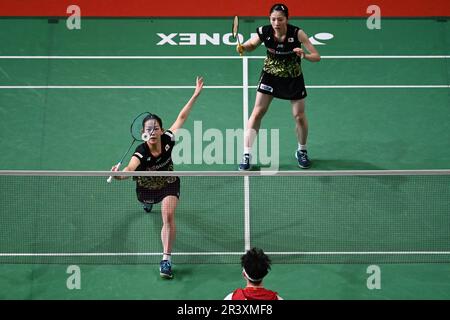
[156, 155]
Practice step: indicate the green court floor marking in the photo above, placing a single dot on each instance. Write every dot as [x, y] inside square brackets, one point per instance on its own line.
[214, 282]
[383, 129]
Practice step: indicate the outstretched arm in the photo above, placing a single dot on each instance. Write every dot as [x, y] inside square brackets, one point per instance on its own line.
[184, 113]
[132, 165]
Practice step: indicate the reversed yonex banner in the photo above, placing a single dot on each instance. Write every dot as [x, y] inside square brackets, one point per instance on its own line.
[207, 8]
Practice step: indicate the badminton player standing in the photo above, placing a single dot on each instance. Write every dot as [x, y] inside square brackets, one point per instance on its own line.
[156, 155]
[281, 78]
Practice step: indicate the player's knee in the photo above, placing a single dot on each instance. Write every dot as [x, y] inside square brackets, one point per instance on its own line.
[299, 117]
[169, 218]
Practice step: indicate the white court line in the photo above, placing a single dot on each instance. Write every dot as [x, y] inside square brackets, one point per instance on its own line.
[381, 86]
[117, 87]
[246, 178]
[362, 253]
[100, 254]
[315, 173]
[389, 57]
[221, 57]
[226, 57]
[247, 243]
[119, 57]
[430, 86]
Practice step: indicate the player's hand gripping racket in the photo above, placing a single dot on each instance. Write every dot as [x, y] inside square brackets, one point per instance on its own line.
[136, 134]
[235, 34]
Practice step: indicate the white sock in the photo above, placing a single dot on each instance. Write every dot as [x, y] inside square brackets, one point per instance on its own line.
[167, 256]
[248, 150]
[301, 147]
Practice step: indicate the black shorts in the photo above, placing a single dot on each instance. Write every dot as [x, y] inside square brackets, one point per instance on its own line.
[282, 87]
[149, 196]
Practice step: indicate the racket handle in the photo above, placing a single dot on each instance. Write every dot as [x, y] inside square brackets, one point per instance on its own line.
[240, 49]
[110, 177]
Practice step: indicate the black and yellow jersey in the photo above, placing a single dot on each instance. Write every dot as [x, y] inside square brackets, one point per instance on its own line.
[281, 61]
[148, 162]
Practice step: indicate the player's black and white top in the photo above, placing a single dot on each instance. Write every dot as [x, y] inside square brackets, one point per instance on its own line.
[281, 61]
[148, 162]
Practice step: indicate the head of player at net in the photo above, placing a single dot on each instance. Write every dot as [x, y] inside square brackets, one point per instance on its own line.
[152, 129]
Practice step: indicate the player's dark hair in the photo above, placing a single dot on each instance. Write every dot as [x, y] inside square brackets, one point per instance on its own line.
[152, 116]
[256, 264]
[280, 7]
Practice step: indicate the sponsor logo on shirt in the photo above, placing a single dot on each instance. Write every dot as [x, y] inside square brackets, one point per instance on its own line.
[273, 51]
[159, 166]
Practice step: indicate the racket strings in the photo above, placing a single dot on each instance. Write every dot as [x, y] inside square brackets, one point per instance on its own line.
[136, 127]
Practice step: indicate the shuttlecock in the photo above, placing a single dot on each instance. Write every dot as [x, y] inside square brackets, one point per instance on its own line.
[145, 136]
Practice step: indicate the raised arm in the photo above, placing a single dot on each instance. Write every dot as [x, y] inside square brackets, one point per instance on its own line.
[184, 113]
